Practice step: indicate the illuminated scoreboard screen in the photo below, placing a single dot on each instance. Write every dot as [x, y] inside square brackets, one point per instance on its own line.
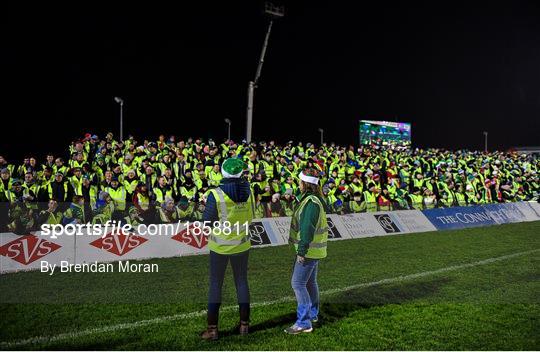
[384, 133]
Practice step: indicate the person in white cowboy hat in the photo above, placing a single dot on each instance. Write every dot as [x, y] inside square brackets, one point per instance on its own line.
[309, 235]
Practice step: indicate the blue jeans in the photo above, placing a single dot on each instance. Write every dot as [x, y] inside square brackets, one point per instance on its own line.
[306, 290]
[218, 265]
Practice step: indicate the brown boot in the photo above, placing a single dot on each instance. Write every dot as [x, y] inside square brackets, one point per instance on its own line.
[210, 334]
[244, 328]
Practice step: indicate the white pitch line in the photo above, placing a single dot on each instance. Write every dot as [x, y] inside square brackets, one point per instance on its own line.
[141, 323]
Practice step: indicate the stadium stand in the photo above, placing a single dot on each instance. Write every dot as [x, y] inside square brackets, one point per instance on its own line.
[167, 180]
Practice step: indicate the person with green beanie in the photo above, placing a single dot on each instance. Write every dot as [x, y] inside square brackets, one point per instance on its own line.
[232, 206]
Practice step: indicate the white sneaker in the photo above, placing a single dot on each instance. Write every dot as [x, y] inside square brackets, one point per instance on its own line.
[295, 330]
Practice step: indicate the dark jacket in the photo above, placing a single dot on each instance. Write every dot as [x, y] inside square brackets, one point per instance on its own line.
[236, 188]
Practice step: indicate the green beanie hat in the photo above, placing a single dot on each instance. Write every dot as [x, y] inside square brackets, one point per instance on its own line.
[233, 168]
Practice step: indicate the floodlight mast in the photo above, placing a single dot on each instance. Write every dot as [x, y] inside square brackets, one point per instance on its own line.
[272, 12]
[228, 122]
[121, 102]
[322, 135]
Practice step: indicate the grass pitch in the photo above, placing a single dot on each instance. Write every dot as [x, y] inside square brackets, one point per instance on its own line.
[474, 289]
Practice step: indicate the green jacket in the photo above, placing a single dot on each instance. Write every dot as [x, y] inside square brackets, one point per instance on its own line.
[308, 224]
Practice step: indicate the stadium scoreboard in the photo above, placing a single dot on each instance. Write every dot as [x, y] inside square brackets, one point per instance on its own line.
[385, 133]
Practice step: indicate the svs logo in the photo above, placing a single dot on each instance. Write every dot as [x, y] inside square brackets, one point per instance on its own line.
[119, 244]
[194, 238]
[28, 249]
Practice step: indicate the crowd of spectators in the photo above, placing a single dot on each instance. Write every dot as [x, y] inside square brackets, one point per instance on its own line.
[167, 180]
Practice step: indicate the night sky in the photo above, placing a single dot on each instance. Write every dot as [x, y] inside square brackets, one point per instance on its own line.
[451, 71]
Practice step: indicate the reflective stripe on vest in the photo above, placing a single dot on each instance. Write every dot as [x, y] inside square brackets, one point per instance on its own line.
[311, 245]
[370, 200]
[65, 192]
[118, 196]
[417, 201]
[236, 215]
[223, 242]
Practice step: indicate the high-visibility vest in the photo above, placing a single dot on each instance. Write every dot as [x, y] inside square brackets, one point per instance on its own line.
[486, 196]
[259, 211]
[10, 196]
[429, 202]
[370, 201]
[405, 176]
[317, 247]
[187, 213]
[234, 217]
[262, 185]
[418, 183]
[101, 218]
[166, 217]
[53, 218]
[356, 188]
[4, 188]
[63, 169]
[50, 191]
[402, 202]
[188, 192]
[384, 203]
[144, 201]
[460, 198]
[130, 185]
[448, 202]
[331, 199]
[392, 190]
[268, 169]
[286, 186]
[341, 171]
[287, 208]
[34, 187]
[118, 196]
[356, 207]
[160, 194]
[214, 178]
[75, 212]
[77, 185]
[417, 201]
[471, 197]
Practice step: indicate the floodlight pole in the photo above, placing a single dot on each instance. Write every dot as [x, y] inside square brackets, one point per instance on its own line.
[228, 122]
[253, 84]
[272, 12]
[485, 141]
[121, 102]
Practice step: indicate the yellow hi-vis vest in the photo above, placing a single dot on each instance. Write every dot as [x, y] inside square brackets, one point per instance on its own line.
[231, 236]
[356, 207]
[118, 196]
[161, 194]
[144, 201]
[417, 201]
[371, 201]
[54, 217]
[317, 247]
[461, 201]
